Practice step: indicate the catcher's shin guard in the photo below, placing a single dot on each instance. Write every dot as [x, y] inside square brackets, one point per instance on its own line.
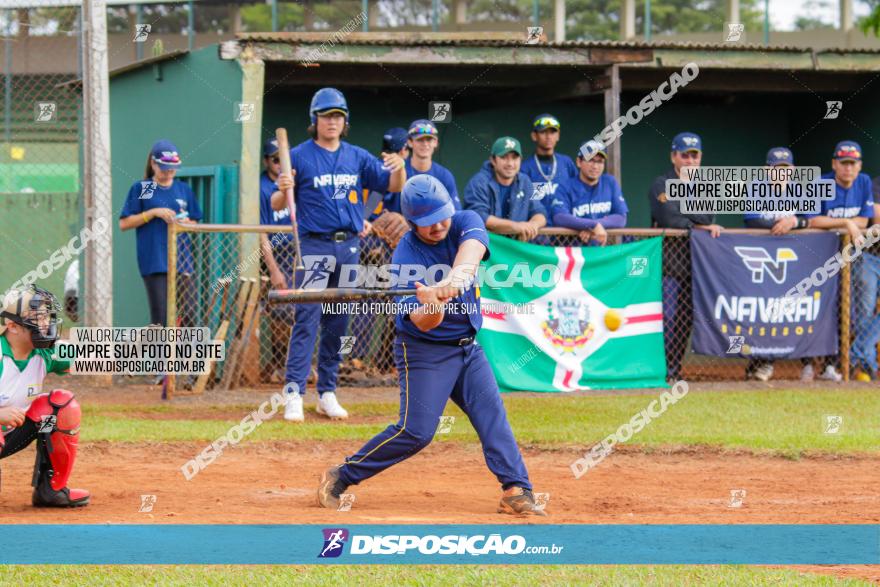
[57, 417]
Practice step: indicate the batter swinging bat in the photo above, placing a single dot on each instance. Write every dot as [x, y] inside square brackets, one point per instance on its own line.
[284, 156]
[310, 296]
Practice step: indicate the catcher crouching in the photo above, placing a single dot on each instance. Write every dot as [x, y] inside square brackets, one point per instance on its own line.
[29, 327]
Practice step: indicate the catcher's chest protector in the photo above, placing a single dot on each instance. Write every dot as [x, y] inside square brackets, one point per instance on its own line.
[19, 388]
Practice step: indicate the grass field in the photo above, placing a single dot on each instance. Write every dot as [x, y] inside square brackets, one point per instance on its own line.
[786, 422]
[439, 575]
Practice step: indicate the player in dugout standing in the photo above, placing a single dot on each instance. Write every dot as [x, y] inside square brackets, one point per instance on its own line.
[437, 356]
[29, 326]
[546, 168]
[329, 175]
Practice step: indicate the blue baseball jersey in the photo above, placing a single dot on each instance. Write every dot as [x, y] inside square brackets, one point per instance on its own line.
[267, 214]
[585, 201]
[391, 201]
[329, 184]
[152, 237]
[463, 317]
[769, 216]
[856, 200]
[540, 171]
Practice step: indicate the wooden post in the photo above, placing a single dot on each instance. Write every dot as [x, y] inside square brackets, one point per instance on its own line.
[845, 297]
[559, 20]
[171, 292]
[612, 112]
[627, 20]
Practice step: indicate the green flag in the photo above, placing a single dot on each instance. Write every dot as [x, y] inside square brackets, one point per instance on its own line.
[596, 323]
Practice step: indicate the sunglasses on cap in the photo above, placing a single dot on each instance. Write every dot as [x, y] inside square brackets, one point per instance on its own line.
[848, 153]
[423, 129]
[546, 122]
[170, 157]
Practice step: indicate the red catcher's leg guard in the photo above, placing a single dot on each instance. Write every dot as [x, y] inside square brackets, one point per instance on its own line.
[60, 406]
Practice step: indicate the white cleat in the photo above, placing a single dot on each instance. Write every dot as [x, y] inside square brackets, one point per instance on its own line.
[329, 406]
[831, 374]
[807, 374]
[764, 373]
[293, 409]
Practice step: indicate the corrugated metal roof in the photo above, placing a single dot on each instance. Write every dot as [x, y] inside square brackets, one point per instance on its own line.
[505, 40]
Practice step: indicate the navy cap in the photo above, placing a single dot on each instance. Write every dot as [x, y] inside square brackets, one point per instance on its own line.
[394, 140]
[422, 128]
[164, 154]
[780, 156]
[848, 150]
[270, 147]
[687, 141]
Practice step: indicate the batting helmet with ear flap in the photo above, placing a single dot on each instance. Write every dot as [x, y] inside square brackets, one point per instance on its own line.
[424, 201]
[35, 309]
[328, 100]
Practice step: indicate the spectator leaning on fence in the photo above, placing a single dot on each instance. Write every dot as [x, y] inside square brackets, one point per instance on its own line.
[277, 258]
[851, 209]
[687, 150]
[592, 201]
[329, 177]
[151, 205]
[502, 196]
[546, 168]
[778, 223]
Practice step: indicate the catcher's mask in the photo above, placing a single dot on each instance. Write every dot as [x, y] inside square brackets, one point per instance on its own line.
[35, 309]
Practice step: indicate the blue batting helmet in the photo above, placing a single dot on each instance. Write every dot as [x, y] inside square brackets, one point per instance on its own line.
[328, 100]
[424, 201]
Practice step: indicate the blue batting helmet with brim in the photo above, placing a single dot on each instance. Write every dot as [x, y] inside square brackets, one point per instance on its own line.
[424, 201]
[328, 100]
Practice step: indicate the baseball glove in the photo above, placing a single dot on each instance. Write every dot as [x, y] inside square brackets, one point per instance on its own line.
[391, 227]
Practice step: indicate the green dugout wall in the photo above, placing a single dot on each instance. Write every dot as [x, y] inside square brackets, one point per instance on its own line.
[744, 101]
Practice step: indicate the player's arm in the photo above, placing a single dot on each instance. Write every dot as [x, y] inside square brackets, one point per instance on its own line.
[278, 200]
[395, 164]
[462, 275]
[853, 226]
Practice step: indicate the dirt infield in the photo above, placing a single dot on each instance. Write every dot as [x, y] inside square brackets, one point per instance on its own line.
[274, 482]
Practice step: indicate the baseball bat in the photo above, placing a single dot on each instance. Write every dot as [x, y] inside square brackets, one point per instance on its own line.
[284, 156]
[310, 296]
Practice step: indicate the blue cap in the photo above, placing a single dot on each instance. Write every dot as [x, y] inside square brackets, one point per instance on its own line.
[164, 154]
[393, 140]
[780, 156]
[848, 150]
[424, 201]
[270, 147]
[687, 141]
[422, 128]
[592, 148]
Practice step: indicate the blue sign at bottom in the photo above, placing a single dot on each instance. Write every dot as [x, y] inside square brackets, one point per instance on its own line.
[443, 544]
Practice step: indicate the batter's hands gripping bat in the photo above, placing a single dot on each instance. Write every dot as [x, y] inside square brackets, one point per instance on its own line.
[284, 156]
[311, 296]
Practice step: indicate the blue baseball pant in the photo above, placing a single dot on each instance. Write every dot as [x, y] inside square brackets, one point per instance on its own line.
[429, 375]
[309, 317]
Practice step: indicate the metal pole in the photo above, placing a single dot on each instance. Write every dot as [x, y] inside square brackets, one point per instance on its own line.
[97, 185]
[275, 16]
[536, 14]
[845, 305]
[435, 15]
[191, 26]
[138, 18]
[766, 22]
[647, 20]
[365, 10]
[7, 79]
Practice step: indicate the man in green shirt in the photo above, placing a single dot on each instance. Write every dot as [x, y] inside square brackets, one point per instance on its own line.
[29, 327]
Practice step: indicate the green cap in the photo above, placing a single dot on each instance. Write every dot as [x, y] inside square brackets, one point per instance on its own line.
[505, 145]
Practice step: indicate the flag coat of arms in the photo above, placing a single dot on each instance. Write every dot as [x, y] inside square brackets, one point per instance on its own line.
[596, 324]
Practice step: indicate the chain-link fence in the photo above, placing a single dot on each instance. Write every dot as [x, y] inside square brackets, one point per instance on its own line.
[223, 283]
